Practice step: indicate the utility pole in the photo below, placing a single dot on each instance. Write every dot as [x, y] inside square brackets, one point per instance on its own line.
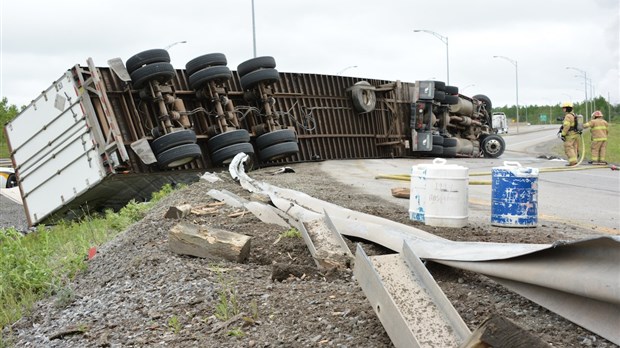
[585, 86]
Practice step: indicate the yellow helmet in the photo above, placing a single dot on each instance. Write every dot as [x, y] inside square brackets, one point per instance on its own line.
[567, 104]
[597, 114]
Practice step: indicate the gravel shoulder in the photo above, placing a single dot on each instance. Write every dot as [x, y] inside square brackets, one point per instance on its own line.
[136, 292]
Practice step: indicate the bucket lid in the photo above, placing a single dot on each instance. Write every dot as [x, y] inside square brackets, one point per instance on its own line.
[516, 168]
[439, 163]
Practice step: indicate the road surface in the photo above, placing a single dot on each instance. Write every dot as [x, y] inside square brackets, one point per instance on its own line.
[587, 198]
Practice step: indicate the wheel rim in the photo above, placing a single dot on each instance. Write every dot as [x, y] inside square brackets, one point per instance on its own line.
[492, 146]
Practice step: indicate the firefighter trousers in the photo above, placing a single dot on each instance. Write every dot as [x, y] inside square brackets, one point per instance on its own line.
[599, 148]
[571, 147]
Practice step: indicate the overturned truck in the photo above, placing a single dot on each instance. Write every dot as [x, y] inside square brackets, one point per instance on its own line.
[101, 136]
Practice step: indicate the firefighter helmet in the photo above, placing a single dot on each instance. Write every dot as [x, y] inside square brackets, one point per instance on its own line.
[597, 114]
[567, 104]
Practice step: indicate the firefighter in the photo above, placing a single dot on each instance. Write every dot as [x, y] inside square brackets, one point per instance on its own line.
[569, 134]
[598, 131]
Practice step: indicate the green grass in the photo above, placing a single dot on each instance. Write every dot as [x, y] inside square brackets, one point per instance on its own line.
[41, 263]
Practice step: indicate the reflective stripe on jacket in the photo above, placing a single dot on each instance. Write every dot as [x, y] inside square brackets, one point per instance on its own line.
[598, 129]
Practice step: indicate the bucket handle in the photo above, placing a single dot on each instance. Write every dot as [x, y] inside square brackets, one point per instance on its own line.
[439, 161]
[512, 164]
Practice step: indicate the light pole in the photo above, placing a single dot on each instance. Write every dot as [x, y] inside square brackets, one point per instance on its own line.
[345, 69]
[585, 85]
[514, 62]
[470, 85]
[443, 39]
[174, 43]
[253, 30]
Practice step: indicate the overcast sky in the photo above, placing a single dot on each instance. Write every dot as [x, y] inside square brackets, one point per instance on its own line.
[43, 38]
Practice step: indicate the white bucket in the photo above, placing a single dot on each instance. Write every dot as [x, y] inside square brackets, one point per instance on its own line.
[439, 194]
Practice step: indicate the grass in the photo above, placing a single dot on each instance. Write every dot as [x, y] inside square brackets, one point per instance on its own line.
[41, 263]
[290, 233]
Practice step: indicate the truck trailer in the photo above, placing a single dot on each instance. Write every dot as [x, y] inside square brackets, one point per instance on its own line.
[99, 137]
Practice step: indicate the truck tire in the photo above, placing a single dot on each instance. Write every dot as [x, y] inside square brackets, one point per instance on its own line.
[277, 151]
[227, 153]
[449, 152]
[257, 63]
[251, 79]
[451, 99]
[364, 99]
[235, 136]
[275, 137]
[440, 96]
[178, 156]
[437, 140]
[436, 151]
[11, 181]
[450, 142]
[157, 55]
[170, 140]
[485, 100]
[162, 72]
[493, 146]
[440, 86]
[213, 73]
[205, 61]
[451, 90]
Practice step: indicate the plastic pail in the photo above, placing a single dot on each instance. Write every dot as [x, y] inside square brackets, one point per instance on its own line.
[439, 194]
[514, 196]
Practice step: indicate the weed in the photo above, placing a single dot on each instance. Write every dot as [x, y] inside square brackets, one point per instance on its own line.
[64, 297]
[174, 324]
[291, 233]
[236, 332]
[227, 305]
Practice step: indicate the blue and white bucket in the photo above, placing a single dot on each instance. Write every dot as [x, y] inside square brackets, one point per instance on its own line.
[439, 194]
[514, 195]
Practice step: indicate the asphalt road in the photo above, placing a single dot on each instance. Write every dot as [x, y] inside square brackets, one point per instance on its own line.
[586, 198]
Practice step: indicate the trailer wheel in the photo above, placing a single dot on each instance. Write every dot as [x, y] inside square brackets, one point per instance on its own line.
[157, 55]
[364, 99]
[162, 72]
[451, 99]
[275, 137]
[170, 140]
[277, 151]
[11, 181]
[451, 90]
[437, 140]
[253, 64]
[485, 100]
[225, 154]
[229, 138]
[436, 151]
[205, 61]
[449, 142]
[493, 146]
[213, 73]
[178, 156]
[449, 151]
[440, 96]
[251, 79]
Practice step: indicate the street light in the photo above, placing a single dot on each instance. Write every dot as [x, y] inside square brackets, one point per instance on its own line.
[514, 62]
[253, 30]
[443, 39]
[345, 69]
[174, 43]
[585, 82]
[470, 85]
